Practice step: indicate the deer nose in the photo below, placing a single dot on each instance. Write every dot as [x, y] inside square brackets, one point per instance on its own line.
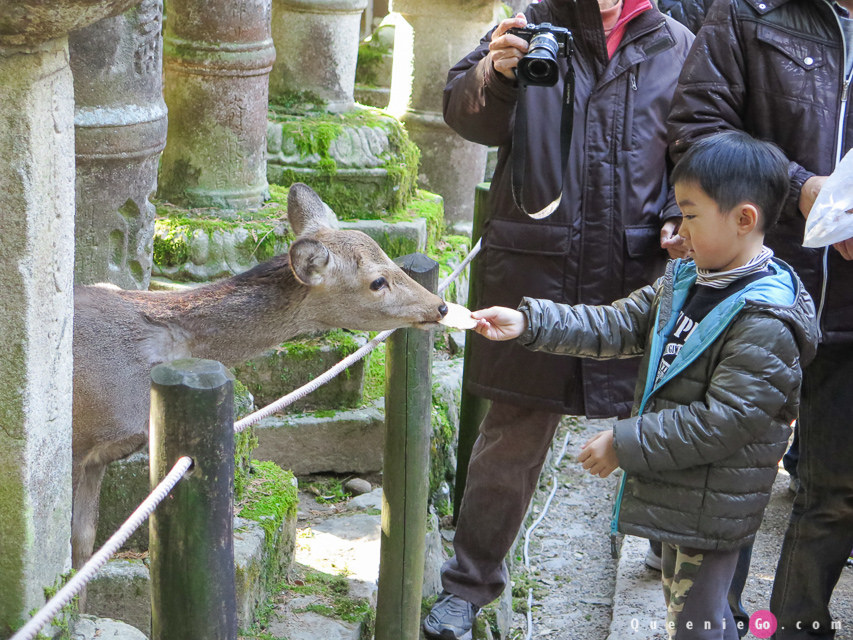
[442, 309]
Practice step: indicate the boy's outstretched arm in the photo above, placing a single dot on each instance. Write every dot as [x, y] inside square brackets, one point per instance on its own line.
[499, 323]
[598, 455]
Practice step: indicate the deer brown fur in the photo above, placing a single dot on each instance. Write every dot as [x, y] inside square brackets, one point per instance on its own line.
[328, 279]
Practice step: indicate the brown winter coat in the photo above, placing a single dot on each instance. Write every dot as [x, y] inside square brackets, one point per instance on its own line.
[774, 69]
[603, 241]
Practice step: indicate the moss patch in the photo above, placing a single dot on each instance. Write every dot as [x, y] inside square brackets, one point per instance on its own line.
[374, 379]
[269, 497]
[350, 195]
[334, 591]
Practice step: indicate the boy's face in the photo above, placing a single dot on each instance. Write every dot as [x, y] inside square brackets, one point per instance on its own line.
[712, 235]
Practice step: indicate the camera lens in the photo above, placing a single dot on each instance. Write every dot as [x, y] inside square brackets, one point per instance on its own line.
[539, 66]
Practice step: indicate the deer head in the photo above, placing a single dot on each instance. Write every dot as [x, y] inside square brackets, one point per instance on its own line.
[352, 282]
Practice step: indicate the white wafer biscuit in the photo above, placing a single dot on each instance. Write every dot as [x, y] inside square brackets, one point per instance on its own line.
[458, 317]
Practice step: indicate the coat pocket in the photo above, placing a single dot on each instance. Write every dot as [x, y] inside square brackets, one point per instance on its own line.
[806, 54]
[524, 259]
[642, 240]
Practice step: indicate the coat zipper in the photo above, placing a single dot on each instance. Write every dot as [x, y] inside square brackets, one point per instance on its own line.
[842, 117]
[629, 111]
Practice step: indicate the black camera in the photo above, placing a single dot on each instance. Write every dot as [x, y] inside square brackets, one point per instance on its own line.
[546, 43]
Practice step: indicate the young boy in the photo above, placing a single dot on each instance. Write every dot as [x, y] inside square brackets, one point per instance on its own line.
[723, 335]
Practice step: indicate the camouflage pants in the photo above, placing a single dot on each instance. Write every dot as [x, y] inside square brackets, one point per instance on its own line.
[695, 587]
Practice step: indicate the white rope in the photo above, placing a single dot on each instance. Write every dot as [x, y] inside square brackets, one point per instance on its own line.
[455, 274]
[313, 385]
[533, 526]
[99, 559]
[307, 388]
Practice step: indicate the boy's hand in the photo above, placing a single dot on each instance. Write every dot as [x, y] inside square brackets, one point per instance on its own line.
[598, 455]
[499, 323]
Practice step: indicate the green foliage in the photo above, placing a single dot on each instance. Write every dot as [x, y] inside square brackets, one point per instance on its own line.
[372, 57]
[327, 490]
[374, 376]
[67, 614]
[269, 496]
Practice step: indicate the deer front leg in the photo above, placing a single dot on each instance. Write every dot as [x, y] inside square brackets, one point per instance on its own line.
[87, 480]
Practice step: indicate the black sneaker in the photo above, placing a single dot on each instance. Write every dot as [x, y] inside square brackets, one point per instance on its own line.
[450, 618]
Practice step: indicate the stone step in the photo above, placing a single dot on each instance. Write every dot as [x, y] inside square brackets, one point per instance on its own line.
[346, 441]
[86, 627]
[279, 371]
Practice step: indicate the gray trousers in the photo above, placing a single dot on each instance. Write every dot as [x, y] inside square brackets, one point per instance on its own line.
[502, 476]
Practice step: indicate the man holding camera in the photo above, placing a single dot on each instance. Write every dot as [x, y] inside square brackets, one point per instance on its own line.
[585, 222]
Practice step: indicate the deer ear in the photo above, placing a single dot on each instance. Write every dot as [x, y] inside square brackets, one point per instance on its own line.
[309, 260]
[305, 210]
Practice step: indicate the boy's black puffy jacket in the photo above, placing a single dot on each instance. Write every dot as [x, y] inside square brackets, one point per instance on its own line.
[701, 456]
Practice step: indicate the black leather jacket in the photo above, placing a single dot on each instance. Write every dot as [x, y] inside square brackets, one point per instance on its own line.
[775, 69]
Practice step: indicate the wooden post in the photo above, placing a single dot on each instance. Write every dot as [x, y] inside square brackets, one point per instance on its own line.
[405, 477]
[192, 544]
[472, 409]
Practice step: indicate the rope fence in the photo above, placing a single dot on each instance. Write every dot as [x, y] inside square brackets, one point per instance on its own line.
[147, 507]
[99, 559]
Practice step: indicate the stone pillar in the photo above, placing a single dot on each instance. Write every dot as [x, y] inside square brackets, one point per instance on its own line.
[317, 49]
[217, 58]
[443, 32]
[36, 277]
[120, 124]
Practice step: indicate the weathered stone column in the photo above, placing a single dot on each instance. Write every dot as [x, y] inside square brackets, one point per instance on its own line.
[36, 277]
[217, 58]
[317, 48]
[120, 124]
[444, 31]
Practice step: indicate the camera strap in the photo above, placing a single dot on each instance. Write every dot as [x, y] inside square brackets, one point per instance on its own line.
[519, 143]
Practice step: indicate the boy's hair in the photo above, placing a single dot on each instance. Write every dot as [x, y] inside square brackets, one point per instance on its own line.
[733, 167]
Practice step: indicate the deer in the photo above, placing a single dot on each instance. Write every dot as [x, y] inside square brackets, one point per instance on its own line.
[329, 278]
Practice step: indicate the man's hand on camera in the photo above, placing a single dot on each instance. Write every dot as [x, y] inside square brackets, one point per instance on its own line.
[506, 49]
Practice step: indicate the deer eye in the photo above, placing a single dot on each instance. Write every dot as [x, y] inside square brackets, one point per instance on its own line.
[377, 284]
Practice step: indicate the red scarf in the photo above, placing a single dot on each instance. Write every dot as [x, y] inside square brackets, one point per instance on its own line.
[616, 18]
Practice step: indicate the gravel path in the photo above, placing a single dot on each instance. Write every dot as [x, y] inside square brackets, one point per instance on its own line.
[571, 569]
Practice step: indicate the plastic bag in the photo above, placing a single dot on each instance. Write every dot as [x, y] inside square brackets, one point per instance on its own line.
[831, 217]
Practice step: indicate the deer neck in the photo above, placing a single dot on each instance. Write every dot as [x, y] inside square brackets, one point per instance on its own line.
[236, 319]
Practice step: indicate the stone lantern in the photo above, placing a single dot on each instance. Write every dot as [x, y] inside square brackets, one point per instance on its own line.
[317, 48]
[120, 125]
[443, 31]
[36, 273]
